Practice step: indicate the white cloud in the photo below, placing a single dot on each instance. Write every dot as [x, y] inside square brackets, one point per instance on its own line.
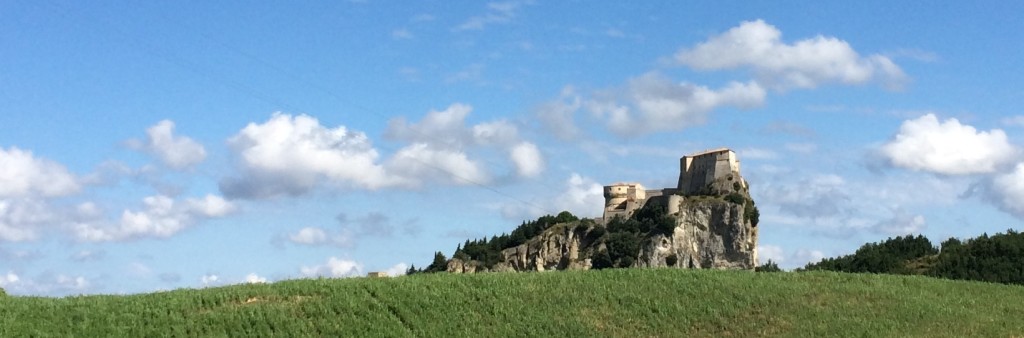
[654, 103]
[427, 163]
[901, 223]
[948, 147]
[309, 236]
[807, 63]
[581, 196]
[291, 155]
[316, 236]
[22, 218]
[1006, 191]
[294, 155]
[209, 280]
[211, 206]
[440, 142]
[805, 256]
[397, 270]
[253, 278]
[335, 267]
[528, 160]
[161, 217]
[24, 175]
[773, 253]
[818, 196]
[557, 115]
[8, 279]
[499, 132]
[178, 152]
[47, 284]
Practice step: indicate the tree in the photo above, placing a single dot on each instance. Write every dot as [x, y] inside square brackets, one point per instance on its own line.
[440, 263]
[768, 266]
[412, 270]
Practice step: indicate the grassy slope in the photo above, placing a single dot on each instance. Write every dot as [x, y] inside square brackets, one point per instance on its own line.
[625, 303]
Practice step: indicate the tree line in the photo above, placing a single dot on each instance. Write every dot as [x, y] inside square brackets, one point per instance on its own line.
[997, 258]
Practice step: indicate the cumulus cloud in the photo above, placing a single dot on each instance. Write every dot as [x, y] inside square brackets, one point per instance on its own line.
[291, 155]
[253, 278]
[809, 63]
[24, 175]
[652, 103]
[316, 236]
[160, 217]
[309, 236]
[581, 196]
[178, 152]
[1006, 191]
[527, 158]
[805, 256]
[334, 267]
[48, 284]
[209, 280]
[441, 140]
[948, 147]
[429, 163]
[772, 253]
[397, 270]
[21, 219]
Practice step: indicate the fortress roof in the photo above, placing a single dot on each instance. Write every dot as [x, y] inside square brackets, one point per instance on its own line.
[709, 151]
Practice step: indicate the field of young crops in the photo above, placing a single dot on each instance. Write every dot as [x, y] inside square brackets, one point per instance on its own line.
[623, 303]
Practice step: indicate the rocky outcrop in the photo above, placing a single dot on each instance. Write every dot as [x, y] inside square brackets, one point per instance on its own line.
[714, 229]
[709, 233]
[557, 248]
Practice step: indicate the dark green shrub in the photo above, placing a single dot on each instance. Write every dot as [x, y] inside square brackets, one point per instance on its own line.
[622, 245]
[751, 214]
[671, 260]
[735, 198]
[596, 233]
[601, 260]
[768, 266]
[626, 262]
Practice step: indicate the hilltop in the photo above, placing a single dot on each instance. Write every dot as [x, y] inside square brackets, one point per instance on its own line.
[618, 303]
[707, 221]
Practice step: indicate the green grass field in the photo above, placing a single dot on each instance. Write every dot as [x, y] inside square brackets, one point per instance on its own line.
[620, 303]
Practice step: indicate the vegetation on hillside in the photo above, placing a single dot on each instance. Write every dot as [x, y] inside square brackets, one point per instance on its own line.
[609, 303]
[995, 258]
[488, 251]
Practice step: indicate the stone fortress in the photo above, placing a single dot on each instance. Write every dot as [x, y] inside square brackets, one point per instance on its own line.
[696, 171]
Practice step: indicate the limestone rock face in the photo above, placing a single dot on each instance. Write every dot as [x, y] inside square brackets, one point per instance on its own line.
[709, 233]
[557, 248]
[714, 229]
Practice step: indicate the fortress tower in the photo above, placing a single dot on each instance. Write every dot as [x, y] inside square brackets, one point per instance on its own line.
[696, 171]
[620, 199]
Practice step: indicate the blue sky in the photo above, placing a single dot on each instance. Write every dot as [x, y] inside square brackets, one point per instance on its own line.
[154, 146]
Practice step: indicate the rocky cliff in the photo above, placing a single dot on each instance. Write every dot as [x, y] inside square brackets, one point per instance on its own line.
[716, 229]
